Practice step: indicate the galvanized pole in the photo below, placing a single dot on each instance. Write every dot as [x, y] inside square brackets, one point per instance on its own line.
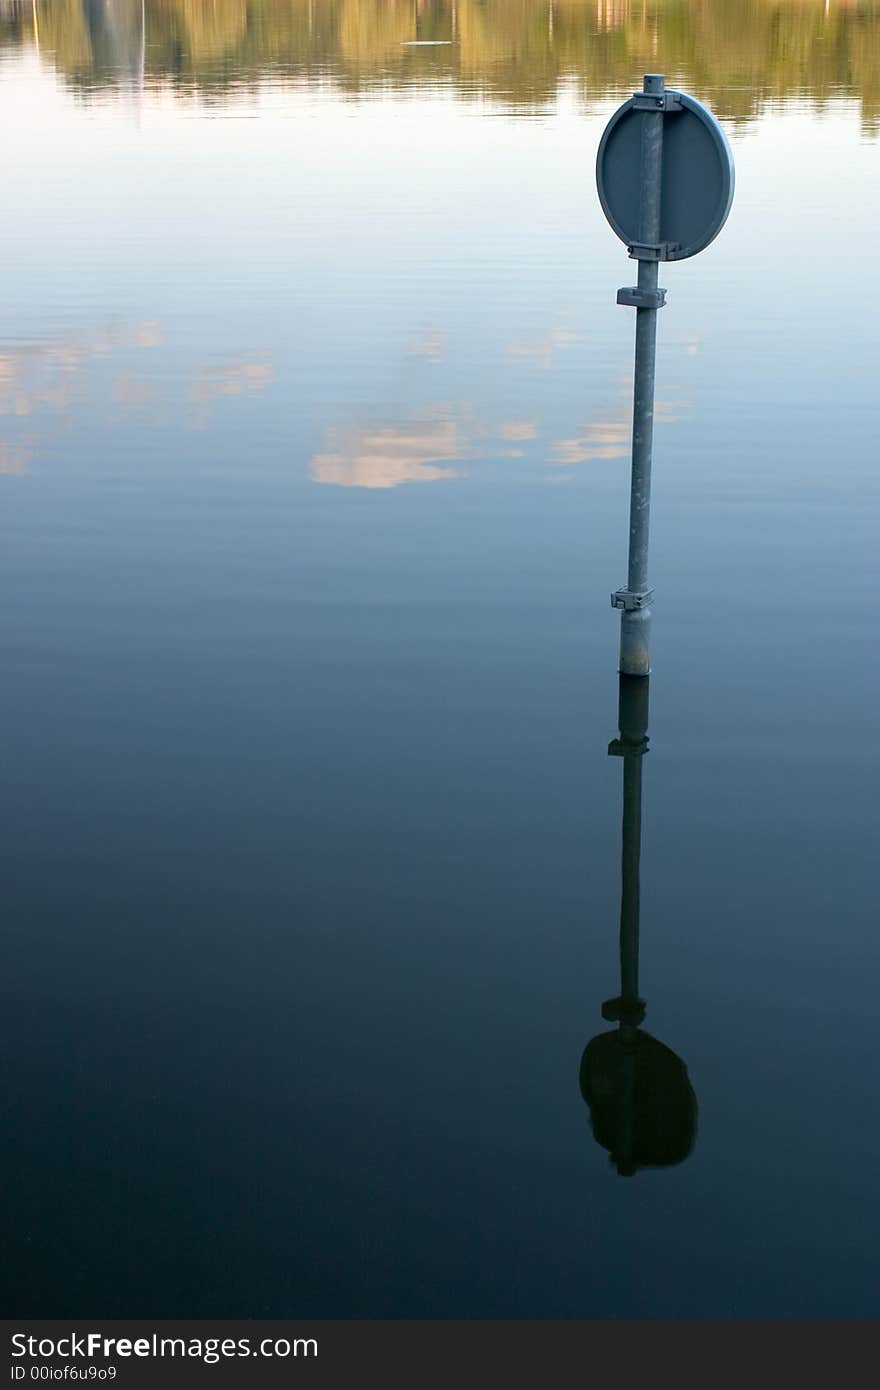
[635, 600]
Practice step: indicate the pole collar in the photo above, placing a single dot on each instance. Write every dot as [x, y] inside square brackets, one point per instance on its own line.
[628, 748]
[652, 250]
[636, 298]
[667, 102]
[621, 1010]
[629, 601]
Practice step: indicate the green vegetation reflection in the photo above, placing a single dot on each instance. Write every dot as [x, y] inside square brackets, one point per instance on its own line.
[738, 54]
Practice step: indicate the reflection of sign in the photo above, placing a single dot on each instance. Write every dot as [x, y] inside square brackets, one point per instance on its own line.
[642, 1104]
[696, 174]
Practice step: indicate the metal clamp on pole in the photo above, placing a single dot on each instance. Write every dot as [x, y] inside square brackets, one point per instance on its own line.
[623, 1010]
[666, 101]
[635, 297]
[652, 250]
[629, 601]
[623, 748]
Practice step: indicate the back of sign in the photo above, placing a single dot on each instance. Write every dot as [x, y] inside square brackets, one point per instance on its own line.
[697, 176]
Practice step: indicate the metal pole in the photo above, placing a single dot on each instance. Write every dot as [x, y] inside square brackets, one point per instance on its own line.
[635, 600]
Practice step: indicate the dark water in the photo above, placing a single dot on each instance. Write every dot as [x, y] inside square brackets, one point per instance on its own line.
[313, 439]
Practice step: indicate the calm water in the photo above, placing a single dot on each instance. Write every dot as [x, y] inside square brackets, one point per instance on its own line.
[314, 405]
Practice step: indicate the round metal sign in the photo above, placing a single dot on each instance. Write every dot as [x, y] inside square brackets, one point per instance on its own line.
[696, 173]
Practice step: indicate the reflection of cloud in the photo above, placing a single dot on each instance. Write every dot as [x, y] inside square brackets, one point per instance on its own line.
[233, 379]
[607, 439]
[42, 375]
[14, 459]
[432, 347]
[610, 439]
[518, 429]
[542, 351]
[239, 377]
[130, 390]
[384, 456]
[147, 335]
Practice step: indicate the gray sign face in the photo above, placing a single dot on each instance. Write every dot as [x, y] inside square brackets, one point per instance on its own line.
[697, 176]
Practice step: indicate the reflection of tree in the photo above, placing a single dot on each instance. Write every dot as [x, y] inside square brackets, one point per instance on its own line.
[739, 54]
[209, 30]
[63, 31]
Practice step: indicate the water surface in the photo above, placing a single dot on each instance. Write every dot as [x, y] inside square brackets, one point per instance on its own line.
[314, 412]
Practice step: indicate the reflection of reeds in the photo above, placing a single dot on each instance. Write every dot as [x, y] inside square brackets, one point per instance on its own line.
[739, 53]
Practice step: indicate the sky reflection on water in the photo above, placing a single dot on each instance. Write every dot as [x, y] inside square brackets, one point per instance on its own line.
[311, 839]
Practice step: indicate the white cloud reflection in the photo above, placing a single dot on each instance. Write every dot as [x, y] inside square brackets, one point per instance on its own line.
[384, 456]
[48, 375]
[610, 439]
[541, 352]
[42, 382]
[14, 458]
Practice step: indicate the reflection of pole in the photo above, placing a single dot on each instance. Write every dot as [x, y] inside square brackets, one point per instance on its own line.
[628, 1010]
[642, 1106]
[632, 745]
[635, 600]
[629, 896]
